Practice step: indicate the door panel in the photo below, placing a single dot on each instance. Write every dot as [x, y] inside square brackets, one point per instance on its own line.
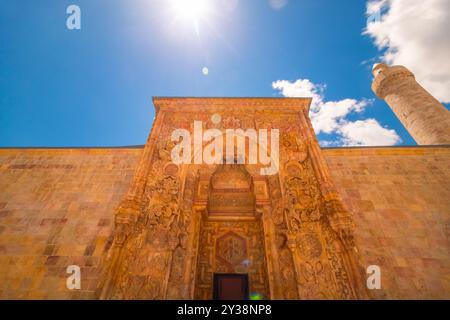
[230, 286]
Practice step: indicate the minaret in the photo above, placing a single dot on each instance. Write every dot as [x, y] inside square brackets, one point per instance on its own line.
[425, 118]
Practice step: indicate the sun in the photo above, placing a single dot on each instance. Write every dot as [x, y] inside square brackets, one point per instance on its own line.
[196, 13]
[191, 9]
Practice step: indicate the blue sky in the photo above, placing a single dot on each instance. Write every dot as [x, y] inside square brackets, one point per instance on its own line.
[93, 87]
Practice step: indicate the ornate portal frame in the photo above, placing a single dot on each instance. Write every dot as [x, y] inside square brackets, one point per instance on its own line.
[180, 224]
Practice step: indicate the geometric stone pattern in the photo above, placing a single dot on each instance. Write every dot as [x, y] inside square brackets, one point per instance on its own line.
[231, 249]
[400, 200]
[236, 251]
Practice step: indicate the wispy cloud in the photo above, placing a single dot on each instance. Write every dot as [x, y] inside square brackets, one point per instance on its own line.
[278, 4]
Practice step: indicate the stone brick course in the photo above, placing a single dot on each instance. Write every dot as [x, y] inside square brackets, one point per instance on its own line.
[56, 209]
[400, 199]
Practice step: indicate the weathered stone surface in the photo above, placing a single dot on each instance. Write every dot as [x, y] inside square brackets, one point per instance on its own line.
[400, 200]
[181, 223]
[425, 118]
[56, 209]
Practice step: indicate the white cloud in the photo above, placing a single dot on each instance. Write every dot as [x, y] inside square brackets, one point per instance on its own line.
[415, 34]
[330, 143]
[367, 133]
[300, 88]
[330, 117]
[373, 7]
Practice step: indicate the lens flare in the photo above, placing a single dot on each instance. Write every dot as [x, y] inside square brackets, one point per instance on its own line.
[256, 296]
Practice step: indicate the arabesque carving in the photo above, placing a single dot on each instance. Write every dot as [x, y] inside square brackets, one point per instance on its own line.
[180, 224]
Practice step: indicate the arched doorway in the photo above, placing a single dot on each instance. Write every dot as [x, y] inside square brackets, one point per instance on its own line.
[231, 244]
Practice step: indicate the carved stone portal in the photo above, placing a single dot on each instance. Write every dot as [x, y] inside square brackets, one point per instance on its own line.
[181, 223]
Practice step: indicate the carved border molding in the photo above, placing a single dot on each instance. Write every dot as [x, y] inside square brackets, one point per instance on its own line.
[155, 250]
[237, 104]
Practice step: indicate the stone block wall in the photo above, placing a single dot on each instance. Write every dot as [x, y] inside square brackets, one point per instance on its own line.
[56, 210]
[400, 200]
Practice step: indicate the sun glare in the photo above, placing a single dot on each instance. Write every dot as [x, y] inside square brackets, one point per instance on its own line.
[196, 13]
[191, 9]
